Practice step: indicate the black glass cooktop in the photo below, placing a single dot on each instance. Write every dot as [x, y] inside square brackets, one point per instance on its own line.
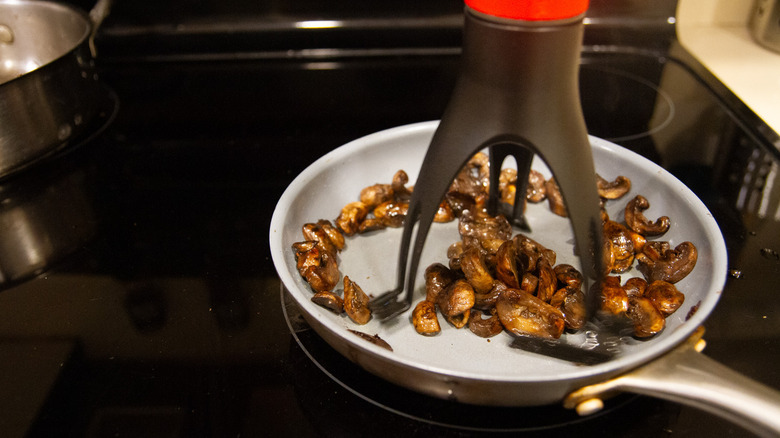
[142, 300]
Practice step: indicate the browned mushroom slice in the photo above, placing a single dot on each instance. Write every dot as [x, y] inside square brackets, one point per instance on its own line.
[547, 281]
[523, 314]
[555, 198]
[400, 191]
[473, 178]
[614, 189]
[491, 246]
[664, 296]
[647, 320]
[480, 161]
[488, 300]
[424, 318]
[508, 195]
[371, 224]
[658, 261]
[312, 231]
[571, 302]
[622, 247]
[614, 298]
[639, 240]
[456, 299]
[376, 194]
[656, 248]
[392, 213]
[351, 216]
[635, 287]
[375, 339]
[476, 271]
[459, 202]
[316, 265]
[507, 269]
[335, 236]
[507, 187]
[329, 300]
[459, 321]
[536, 191]
[485, 327]
[558, 296]
[608, 256]
[568, 275]
[480, 203]
[483, 227]
[454, 254]
[636, 220]
[444, 213]
[437, 277]
[307, 253]
[574, 310]
[356, 302]
[529, 283]
[318, 233]
[479, 164]
[533, 250]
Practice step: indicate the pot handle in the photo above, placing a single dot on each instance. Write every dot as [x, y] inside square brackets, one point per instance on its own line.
[684, 375]
[97, 14]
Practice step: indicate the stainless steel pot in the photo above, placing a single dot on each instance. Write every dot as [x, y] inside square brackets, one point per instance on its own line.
[49, 89]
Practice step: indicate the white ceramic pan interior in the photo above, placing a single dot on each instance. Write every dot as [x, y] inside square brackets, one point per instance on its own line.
[458, 355]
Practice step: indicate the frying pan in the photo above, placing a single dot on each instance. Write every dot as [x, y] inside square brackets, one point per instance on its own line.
[458, 365]
[49, 90]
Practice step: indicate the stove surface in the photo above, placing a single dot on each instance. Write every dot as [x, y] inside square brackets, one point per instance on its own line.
[143, 300]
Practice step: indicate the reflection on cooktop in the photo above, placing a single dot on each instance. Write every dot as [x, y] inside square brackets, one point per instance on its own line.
[47, 208]
[366, 400]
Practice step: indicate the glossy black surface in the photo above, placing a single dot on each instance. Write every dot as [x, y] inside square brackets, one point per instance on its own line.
[168, 320]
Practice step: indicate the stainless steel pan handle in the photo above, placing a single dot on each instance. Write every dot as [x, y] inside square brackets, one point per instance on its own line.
[686, 376]
[97, 14]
